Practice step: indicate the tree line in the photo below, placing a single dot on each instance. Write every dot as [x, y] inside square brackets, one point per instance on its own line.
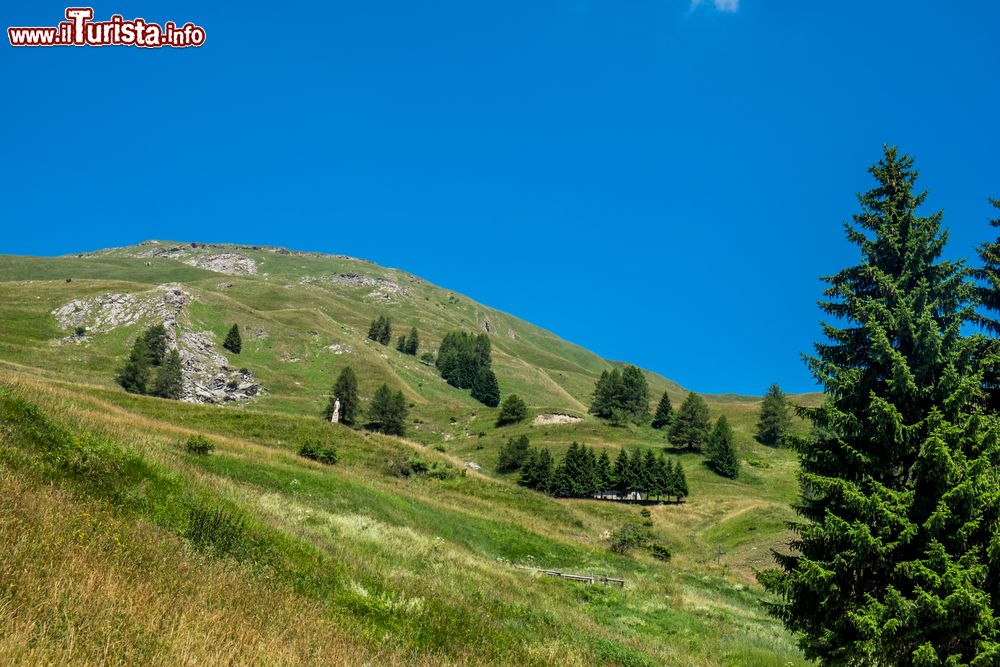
[584, 474]
[380, 331]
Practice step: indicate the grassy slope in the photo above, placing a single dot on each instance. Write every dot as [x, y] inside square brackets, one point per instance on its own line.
[427, 554]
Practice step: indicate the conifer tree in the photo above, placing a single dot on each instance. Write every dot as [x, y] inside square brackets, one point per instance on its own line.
[775, 419]
[512, 410]
[412, 342]
[169, 381]
[605, 476]
[485, 388]
[233, 342]
[385, 331]
[606, 393]
[680, 489]
[134, 375]
[345, 389]
[622, 473]
[375, 330]
[664, 412]
[896, 562]
[387, 412]
[691, 424]
[401, 344]
[722, 457]
[988, 294]
[633, 398]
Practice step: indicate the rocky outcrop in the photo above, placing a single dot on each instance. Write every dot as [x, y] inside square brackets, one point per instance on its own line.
[545, 420]
[230, 263]
[207, 375]
[106, 312]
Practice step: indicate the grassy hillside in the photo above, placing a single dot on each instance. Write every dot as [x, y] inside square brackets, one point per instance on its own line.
[356, 564]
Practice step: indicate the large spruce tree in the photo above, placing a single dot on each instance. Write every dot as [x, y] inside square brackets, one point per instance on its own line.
[775, 418]
[897, 556]
[988, 293]
[387, 411]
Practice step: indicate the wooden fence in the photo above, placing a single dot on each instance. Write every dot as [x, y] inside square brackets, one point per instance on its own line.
[585, 578]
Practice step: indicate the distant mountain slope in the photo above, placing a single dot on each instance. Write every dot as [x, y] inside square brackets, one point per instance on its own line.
[304, 316]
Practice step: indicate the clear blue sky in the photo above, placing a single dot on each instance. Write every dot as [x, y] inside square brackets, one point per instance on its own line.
[660, 182]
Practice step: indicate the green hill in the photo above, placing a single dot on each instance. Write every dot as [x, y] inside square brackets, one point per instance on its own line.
[255, 551]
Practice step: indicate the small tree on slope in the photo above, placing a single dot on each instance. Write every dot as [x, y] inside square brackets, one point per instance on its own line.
[897, 559]
[722, 457]
[774, 420]
[234, 342]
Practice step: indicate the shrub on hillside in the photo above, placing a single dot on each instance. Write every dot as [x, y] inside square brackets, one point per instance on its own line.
[216, 530]
[660, 552]
[199, 444]
[628, 537]
[325, 454]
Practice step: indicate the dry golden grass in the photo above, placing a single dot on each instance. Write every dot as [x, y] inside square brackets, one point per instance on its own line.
[80, 586]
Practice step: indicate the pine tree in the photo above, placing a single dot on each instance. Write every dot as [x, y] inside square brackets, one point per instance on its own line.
[988, 294]
[387, 412]
[148, 350]
[633, 398]
[512, 410]
[134, 375]
[169, 381]
[896, 557]
[345, 389]
[606, 393]
[412, 342]
[722, 457]
[385, 331]
[605, 476]
[680, 489]
[537, 473]
[156, 344]
[485, 388]
[622, 473]
[691, 425]
[648, 483]
[233, 342]
[401, 344]
[664, 476]
[775, 419]
[375, 330]
[664, 412]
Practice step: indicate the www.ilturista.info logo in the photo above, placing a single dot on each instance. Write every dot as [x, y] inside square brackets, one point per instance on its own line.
[81, 30]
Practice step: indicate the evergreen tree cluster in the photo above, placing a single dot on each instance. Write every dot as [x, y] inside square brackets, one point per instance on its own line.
[465, 361]
[380, 330]
[582, 474]
[897, 555]
[387, 412]
[409, 344]
[151, 368]
[621, 395]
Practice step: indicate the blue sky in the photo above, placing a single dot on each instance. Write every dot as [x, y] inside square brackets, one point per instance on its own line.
[659, 181]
